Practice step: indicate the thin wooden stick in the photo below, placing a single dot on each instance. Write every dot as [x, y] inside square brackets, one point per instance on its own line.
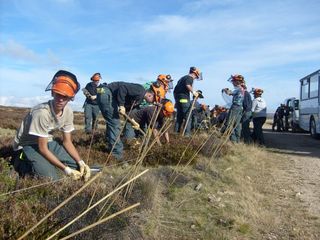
[95, 126]
[108, 157]
[132, 122]
[146, 147]
[189, 115]
[101, 221]
[60, 205]
[97, 203]
[194, 155]
[138, 162]
[32, 187]
[182, 155]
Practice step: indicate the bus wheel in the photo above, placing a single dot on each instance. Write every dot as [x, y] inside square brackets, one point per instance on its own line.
[313, 129]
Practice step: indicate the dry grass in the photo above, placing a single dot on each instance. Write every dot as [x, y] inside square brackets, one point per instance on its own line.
[243, 195]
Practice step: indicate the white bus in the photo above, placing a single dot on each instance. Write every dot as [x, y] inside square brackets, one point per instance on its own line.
[309, 119]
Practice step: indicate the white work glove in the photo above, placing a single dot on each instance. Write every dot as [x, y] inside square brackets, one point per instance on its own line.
[84, 170]
[135, 125]
[122, 110]
[93, 97]
[195, 94]
[74, 174]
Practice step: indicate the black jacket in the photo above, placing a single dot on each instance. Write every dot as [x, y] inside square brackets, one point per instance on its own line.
[181, 91]
[92, 89]
[127, 94]
[247, 102]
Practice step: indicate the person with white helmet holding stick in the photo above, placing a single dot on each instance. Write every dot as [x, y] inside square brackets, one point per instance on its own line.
[235, 113]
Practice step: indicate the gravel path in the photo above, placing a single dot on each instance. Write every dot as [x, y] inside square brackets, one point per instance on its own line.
[303, 153]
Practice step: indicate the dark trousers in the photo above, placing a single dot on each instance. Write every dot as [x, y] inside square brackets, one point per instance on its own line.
[33, 163]
[245, 132]
[278, 122]
[183, 110]
[257, 134]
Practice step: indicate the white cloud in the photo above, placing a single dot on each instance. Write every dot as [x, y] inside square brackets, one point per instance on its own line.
[17, 51]
[170, 25]
[20, 53]
[22, 102]
[30, 102]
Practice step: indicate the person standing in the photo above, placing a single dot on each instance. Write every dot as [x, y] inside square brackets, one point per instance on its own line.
[286, 118]
[182, 97]
[118, 98]
[278, 119]
[259, 114]
[91, 108]
[235, 112]
[246, 116]
[36, 153]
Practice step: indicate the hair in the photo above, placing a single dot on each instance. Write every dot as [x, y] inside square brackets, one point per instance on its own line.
[150, 91]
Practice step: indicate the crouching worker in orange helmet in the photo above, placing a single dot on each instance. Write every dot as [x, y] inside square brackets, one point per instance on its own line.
[36, 153]
[143, 117]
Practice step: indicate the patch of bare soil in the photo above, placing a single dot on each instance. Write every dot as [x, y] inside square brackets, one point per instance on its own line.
[299, 165]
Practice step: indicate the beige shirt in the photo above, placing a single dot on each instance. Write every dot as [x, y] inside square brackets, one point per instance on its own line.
[40, 122]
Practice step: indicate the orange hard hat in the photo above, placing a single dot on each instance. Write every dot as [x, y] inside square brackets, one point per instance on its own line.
[196, 71]
[64, 83]
[237, 77]
[165, 78]
[257, 91]
[96, 77]
[168, 108]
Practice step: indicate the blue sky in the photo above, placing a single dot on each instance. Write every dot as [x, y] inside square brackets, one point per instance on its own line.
[272, 43]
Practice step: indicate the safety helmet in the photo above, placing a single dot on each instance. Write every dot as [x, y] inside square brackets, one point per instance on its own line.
[167, 107]
[203, 106]
[257, 91]
[197, 72]
[166, 80]
[96, 77]
[159, 91]
[64, 83]
[237, 78]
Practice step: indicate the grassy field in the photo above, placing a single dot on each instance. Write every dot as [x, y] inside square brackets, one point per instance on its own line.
[199, 188]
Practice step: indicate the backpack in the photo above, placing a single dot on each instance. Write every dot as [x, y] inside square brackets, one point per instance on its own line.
[247, 102]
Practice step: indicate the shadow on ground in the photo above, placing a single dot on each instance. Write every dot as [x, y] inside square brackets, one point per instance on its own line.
[299, 144]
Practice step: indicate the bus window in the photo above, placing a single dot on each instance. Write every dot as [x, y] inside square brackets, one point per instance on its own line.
[314, 86]
[305, 89]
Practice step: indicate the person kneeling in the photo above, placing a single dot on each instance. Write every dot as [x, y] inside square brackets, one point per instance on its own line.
[36, 152]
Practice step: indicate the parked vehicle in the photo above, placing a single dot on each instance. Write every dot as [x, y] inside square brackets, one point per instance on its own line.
[309, 117]
[292, 114]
